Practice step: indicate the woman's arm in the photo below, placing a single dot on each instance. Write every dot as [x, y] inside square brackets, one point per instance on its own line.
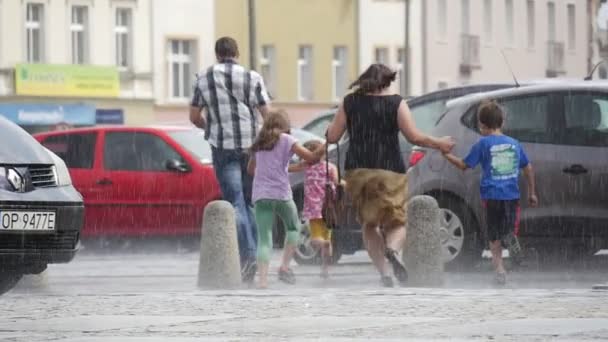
[251, 165]
[337, 127]
[415, 136]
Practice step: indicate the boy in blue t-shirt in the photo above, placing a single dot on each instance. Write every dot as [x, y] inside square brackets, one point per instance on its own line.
[501, 158]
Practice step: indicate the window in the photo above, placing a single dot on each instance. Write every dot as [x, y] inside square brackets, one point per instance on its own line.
[488, 12]
[79, 29]
[526, 118]
[571, 27]
[339, 69]
[531, 12]
[442, 18]
[132, 151]
[76, 150]
[551, 21]
[400, 70]
[381, 55]
[268, 64]
[305, 73]
[465, 16]
[586, 120]
[194, 141]
[181, 60]
[123, 33]
[509, 17]
[34, 27]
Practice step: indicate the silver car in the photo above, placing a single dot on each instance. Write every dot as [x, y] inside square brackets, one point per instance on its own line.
[564, 129]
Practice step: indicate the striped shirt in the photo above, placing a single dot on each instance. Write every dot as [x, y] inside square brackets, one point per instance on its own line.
[231, 94]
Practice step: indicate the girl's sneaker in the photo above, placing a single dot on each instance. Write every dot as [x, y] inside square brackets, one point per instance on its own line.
[287, 276]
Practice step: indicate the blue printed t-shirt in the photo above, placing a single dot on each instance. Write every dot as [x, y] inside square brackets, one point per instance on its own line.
[501, 158]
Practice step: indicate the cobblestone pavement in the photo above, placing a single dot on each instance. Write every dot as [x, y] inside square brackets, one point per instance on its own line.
[150, 298]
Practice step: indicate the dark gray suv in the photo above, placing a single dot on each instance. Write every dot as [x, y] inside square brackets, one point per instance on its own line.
[564, 130]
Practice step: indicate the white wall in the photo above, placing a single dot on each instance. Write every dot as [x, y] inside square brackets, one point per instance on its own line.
[181, 19]
[58, 44]
[528, 63]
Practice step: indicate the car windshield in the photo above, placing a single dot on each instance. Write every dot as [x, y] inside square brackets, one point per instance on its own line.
[303, 136]
[319, 125]
[194, 141]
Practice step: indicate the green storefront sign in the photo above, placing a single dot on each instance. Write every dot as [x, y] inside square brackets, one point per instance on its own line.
[66, 80]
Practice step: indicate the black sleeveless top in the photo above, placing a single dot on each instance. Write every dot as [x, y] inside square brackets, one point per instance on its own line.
[371, 122]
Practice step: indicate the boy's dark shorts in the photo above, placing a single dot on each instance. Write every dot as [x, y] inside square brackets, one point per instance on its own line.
[501, 217]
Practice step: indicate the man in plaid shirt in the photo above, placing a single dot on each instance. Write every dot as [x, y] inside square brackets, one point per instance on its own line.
[227, 103]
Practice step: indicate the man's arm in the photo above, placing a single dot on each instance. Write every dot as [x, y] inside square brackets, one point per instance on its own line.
[251, 165]
[197, 118]
[262, 98]
[529, 174]
[459, 163]
[197, 106]
[264, 111]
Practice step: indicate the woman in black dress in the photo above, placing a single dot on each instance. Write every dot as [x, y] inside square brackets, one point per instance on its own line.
[375, 177]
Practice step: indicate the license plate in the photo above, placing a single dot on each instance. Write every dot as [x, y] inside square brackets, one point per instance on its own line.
[27, 220]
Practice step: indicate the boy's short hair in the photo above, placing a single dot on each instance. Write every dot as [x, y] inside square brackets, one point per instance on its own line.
[490, 114]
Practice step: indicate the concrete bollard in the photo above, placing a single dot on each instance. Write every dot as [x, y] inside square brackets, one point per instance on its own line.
[422, 253]
[219, 265]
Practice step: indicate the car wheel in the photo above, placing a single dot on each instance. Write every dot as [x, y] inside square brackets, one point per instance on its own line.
[8, 280]
[459, 233]
[306, 254]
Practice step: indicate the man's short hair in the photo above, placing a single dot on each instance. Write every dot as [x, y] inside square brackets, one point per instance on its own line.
[490, 114]
[226, 47]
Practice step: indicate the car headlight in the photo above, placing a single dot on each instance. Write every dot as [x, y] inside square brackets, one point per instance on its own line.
[62, 175]
[4, 183]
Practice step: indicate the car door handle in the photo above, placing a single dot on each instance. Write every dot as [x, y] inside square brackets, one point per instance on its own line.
[104, 181]
[575, 170]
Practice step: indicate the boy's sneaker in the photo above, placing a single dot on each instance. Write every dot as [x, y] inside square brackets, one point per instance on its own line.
[387, 281]
[398, 269]
[248, 272]
[501, 279]
[511, 243]
[287, 276]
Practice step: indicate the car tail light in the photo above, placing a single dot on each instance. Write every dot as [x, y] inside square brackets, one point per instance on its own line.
[416, 157]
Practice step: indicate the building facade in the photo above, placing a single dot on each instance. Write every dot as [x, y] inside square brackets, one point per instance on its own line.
[56, 53]
[183, 38]
[117, 61]
[464, 40]
[455, 42]
[307, 51]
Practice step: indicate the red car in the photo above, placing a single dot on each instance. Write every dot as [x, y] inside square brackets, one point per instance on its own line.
[138, 181]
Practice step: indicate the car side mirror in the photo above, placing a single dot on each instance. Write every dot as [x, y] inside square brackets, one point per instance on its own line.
[176, 165]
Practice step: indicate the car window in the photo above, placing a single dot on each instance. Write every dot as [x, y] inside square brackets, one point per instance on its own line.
[586, 120]
[319, 126]
[194, 142]
[136, 151]
[76, 150]
[426, 115]
[527, 118]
